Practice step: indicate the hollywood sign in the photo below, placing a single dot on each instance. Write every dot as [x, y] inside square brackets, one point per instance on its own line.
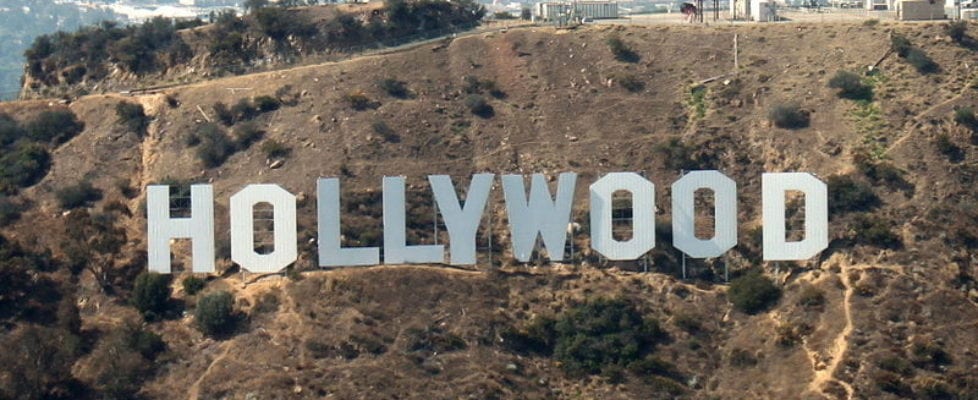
[533, 215]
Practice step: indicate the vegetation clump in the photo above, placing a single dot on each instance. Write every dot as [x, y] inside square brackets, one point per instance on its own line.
[603, 334]
[81, 194]
[914, 56]
[621, 51]
[151, 294]
[788, 116]
[132, 116]
[753, 293]
[215, 314]
[395, 88]
[847, 194]
[478, 105]
[192, 285]
[850, 86]
[957, 30]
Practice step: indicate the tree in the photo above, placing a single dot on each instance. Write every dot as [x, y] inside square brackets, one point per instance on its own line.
[215, 314]
[151, 293]
[753, 293]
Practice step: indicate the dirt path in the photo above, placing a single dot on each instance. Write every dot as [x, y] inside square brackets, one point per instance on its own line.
[839, 346]
[194, 392]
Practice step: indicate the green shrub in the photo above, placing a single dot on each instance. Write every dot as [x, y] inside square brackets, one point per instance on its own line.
[215, 147]
[215, 314]
[537, 337]
[243, 110]
[871, 22]
[267, 103]
[602, 334]
[621, 51]
[921, 61]
[132, 116]
[246, 134]
[151, 294]
[10, 130]
[193, 285]
[395, 88]
[23, 166]
[479, 106]
[966, 117]
[753, 293]
[875, 231]
[274, 149]
[957, 30]
[788, 116]
[81, 194]
[846, 194]
[54, 126]
[850, 86]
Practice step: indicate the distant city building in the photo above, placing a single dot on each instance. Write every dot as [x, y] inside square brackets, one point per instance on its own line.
[549, 11]
[920, 10]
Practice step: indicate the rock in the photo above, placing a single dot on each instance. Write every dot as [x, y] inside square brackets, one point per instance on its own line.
[276, 164]
[512, 367]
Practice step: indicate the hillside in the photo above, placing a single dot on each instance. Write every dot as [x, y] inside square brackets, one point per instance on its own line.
[888, 311]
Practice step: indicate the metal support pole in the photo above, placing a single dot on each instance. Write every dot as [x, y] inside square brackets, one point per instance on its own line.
[434, 211]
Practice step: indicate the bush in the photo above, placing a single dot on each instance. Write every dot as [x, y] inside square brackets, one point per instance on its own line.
[788, 116]
[10, 130]
[215, 314]
[9, 210]
[603, 334]
[957, 30]
[193, 285]
[54, 126]
[395, 88]
[966, 117]
[631, 83]
[274, 149]
[811, 297]
[215, 147]
[151, 294]
[132, 116]
[246, 134]
[850, 86]
[359, 101]
[223, 113]
[900, 44]
[621, 51]
[921, 61]
[267, 103]
[945, 146]
[381, 128]
[23, 166]
[479, 106]
[81, 194]
[846, 194]
[753, 293]
[875, 231]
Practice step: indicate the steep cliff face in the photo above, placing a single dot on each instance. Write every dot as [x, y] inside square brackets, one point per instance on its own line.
[884, 312]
